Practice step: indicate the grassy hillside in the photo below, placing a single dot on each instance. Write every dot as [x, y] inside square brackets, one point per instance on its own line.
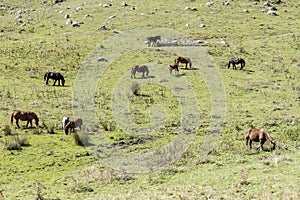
[166, 136]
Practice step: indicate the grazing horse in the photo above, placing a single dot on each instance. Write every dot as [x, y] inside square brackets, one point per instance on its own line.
[65, 121]
[174, 66]
[24, 116]
[143, 68]
[258, 135]
[72, 125]
[184, 60]
[236, 61]
[152, 40]
[56, 76]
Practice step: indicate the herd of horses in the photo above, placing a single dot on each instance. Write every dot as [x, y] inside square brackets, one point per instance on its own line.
[184, 60]
[29, 116]
[252, 135]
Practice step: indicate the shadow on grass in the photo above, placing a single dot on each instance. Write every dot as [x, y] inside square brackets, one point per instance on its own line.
[148, 77]
[180, 75]
[193, 68]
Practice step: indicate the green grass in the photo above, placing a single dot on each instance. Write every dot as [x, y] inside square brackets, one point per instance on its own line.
[49, 164]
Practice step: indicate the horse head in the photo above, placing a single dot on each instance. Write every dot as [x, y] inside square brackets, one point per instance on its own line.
[46, 75]
[272, 145]
[36, 120]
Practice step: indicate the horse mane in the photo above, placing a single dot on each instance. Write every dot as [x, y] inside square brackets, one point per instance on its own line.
[268, 137]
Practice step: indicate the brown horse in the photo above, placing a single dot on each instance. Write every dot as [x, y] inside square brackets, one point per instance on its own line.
[184, 60]
[72, 125]
[174, 66]
[24, 116]
[259, 135]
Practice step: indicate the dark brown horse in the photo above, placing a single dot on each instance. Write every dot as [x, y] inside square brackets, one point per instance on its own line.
[259, 135]
[24, 116]
[236, 61]
[72, 125]
[174, 66]
[184, 60]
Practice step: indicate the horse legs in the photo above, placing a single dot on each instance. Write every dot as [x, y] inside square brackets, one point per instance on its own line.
[58, 82]
[242, 66]
[234, 66]
[133, 74]
[17, 122]
[250, 144]
[47, 81]
[246, 140]
[54, 82]
[29, 121]
[261, 142]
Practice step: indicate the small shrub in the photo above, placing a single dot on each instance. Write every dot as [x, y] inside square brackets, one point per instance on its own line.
[23, 141]
[244, 178]
[11, 144]
[51, 130]
[292, 133]
[37, 131]
[79, 186]
[15, 142]
[7, 130]
[38, 187]
[108, 125]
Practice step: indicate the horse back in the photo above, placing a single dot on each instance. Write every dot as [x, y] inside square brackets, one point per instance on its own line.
[253, 134]
[78, 122]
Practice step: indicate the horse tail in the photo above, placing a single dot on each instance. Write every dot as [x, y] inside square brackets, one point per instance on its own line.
[246, 138]
[229, 64]
[12, 118]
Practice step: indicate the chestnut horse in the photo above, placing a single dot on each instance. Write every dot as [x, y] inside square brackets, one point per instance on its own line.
[184, 60]
[259, 135]
[24, 116]
[174, 66]
[72, 125]
[236, 61]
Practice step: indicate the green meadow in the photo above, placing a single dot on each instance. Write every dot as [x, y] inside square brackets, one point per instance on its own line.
[167, 136]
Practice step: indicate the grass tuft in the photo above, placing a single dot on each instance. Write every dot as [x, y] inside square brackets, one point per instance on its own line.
[15, 142]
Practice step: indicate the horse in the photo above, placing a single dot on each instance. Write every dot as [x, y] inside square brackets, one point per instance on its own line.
[56, 76]
[73, 124]
[236, 61]
[258, 135]
[65, 121]
[143, 68]
[184, 60]
[152, 40]
[24, 116]
[172, 67]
